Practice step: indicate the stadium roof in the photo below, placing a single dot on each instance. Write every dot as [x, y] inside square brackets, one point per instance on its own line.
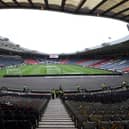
[118, 9]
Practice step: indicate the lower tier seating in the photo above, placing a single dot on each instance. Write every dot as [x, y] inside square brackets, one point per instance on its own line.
[21, 112]
[31, 61]
[99, 110]
[120, 64]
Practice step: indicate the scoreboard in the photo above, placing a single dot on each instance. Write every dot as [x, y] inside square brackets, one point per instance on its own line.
[53, 56]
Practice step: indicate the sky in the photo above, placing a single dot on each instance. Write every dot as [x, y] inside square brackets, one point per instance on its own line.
[56, 32]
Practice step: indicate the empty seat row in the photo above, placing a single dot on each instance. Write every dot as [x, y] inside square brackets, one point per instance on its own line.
[21, 112]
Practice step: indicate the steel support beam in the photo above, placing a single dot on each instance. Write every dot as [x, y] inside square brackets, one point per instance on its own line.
[113, 7]
[80, 5]
[97, 6]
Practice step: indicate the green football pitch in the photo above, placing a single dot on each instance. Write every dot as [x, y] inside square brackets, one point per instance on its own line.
[50, 69]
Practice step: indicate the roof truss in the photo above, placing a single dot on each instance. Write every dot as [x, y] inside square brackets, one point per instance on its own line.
[121, 14]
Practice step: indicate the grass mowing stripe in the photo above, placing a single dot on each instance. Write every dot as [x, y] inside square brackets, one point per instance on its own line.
[53, 69]
[71, 69]
[35, 69]
[43, 69]
[2, 72]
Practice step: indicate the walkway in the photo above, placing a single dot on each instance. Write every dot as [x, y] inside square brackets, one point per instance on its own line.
[56, 117]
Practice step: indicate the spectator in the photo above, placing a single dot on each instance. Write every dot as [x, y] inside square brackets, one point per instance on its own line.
[78, 88]
[53, 93]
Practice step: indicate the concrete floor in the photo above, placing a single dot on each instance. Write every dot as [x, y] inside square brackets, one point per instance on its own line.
[68, 83]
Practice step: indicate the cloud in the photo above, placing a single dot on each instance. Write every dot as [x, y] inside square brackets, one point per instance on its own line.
[54, 32]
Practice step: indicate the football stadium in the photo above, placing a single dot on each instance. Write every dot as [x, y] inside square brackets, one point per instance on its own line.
[86, 89]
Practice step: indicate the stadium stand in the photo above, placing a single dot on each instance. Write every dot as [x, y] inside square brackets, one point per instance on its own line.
[64, 61]
[106, 108]
[115, 64]
[6, 44]
[91, 62]
[82, 61]
[126, 69]
[101, 62]
[31, 61]
[119, 62]
[97, 115]
[18, 112]
[95, 110]
[7, 60]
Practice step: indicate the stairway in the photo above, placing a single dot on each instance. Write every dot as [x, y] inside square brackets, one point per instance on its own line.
[56, 117]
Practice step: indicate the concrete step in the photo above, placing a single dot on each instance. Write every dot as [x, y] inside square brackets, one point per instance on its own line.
[56, 117]
[50, 110]
[55, 113]
[55, 126]
[51, 120]
[55, 122]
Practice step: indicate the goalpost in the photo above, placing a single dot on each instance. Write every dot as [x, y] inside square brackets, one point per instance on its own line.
[11, 70]
[53, 69]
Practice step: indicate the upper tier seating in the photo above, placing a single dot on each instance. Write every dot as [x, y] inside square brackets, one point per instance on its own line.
[10, 60]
